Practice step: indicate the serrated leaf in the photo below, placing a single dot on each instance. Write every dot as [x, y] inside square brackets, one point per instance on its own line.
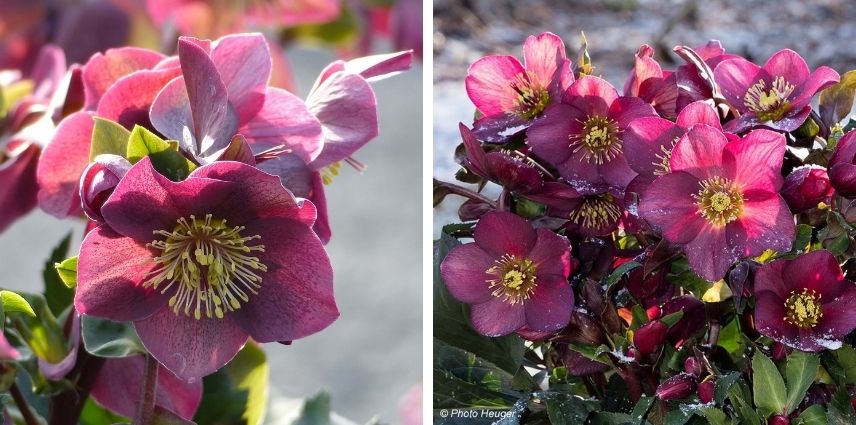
[108, 137]
[768, 386]
[800, 371]
[67, 271]
[164, 155]
[104, 338]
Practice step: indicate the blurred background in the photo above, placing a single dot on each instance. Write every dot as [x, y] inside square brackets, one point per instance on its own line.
[371, 356]
[463, 31]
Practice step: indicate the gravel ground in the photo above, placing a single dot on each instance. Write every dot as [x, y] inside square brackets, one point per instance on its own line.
[372, 355]
[821, 31]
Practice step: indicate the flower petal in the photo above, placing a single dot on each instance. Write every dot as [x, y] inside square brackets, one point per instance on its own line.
[61, 164]
[765, 223]
[190, 348]
[626, 109]
[788, 64]
[699, 112]
[755, 161]
[770, 320]
[545, 61]
[111, 270]
[244, 64]
[296, 295]
[699, 152]
[500, 233]
[463, 272]
[838, 319]
[497, 318]
[668, 205]
[346, 107]
[19, 188]
[489, 83]
[285, 120]
[821, 78]
[551, 254]
[129, 99]
[548, 135]
[734, 77]
[102, 70]
[818, 271]
[709, 254]
[596, 87]
[645, 141]
[549, 307]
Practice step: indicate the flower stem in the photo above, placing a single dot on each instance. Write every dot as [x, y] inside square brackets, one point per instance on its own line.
[462, 191]
[29, 419]
[502, 202]
[146, 412]
[713, 336]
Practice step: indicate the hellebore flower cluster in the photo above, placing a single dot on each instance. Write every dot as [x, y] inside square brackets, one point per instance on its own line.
[707, 210]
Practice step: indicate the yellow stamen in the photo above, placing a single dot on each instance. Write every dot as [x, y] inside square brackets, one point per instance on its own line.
[772, 104]
[719, 201]
[598, 140]
[804, 308]
[513, 279]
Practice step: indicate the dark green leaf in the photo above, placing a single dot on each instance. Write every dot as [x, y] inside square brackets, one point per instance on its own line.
[57, 294]
[620, 271]
[813, 415]
[164, 156]
[567, 409]
[836, 102]
[846, 357]
[723, 384]
[222, 403]
[104, 338]
[800, 371]
[768, 386]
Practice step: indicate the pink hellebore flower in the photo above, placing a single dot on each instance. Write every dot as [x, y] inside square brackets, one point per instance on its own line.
[777, 95]
[842, 166]
[202, 264]
[513, 276]
[344, 103]
[805, 303]
[24, 127]
[650, 82]
[510, 95]
[499, 167]
[584, 136]
[721, 202]
[691, 86]
[596, 214]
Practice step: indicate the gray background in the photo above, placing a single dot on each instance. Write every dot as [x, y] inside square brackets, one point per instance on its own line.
[372, 355]
[822, 31]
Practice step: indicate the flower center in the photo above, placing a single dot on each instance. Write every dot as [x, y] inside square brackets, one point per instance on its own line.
[662, 166]
[513, 278]
[329, 172]
[804, 308]
[772, 104]
[209, 264]
[596, 212]
[531, 98]
[599, 140]
[719, 201]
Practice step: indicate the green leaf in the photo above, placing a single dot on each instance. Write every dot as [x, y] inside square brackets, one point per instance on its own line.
[671, 319]
[93, 414]
[67, 271]
[738, 393]
[108, 137]
[800, 371]
[840, 410]
[221, 403]
[620, 271]
[57, 294]
[568, 409]
[813, 415]
[768, 386]
[723, 384]
[315, 411]
[104, 338]
[41, 331]
[714, 416]
[14, 303]
[846, 357]
[164, 156]
[469, 380]
[803, 237]
[250, 372]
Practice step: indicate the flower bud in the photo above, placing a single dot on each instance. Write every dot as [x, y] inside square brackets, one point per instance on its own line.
[650, 337]
[676, 387]
[98, 181]
[692, 366]
[805, 187]
[705, 391]
[778, 420]
[842, 170]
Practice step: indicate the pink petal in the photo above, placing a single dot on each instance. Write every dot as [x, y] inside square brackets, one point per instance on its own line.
[770, 320]
[788, 64]
[755, 161]
[497, 318]
[119, 384]
[102, 70]
[7, 351]
[190, 348]
[244, 64]
[377, 67]
[48, 72]
[818, 271]
[644, 140]
[285, 119]
[463, 271]
[549, 307]
[475, 153]
[820, 79]
[838, 319]
[214, 120]
[771, 277]
[145, 201]
[551, 254]
[626, 109]
[61, 164]
[129, 99]
[709, 254]
[18, 186]
[171, 115]
[765, 223]
[734, 77]
[501, 233]
[546, 62]
[590, 86]
[111, 270]
[699, 152]
[699, 112]
[668, 205]
[489, 83]
[548, 136]
[296, 295]
[645, 68]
